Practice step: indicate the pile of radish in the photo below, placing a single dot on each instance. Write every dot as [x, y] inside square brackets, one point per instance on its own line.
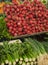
[26, 18]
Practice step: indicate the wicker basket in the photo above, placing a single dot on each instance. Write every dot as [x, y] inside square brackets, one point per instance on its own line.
[43, 60]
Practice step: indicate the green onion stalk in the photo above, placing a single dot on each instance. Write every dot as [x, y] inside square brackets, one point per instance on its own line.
[31, 63]
[24, 63]
[40, 47]
[32, 51]
[28, 63]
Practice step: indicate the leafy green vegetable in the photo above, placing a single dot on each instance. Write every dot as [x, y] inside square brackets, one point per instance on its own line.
[3, 29]
[21, 52]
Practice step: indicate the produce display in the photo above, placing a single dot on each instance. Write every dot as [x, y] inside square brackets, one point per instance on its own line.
[26, 18]
[4, 34]
[24, 52]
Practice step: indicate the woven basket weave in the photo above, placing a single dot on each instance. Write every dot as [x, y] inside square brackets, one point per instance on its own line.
[43, 60]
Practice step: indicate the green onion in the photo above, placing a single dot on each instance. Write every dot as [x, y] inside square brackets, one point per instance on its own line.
[21, 59]
[6, 61]
[31, 63]
[14, 63]
[10, 63]
[20, 62]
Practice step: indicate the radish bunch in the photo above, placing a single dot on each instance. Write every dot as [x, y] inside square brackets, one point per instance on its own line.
[27, 18]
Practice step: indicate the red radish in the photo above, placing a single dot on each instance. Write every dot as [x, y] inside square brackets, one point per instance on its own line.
[8, 24]
[10, 27]
[15, 34]
[15, 25]
[6, 19]
[9, 17]
[14, 29]
[19, 29]
[12, 32]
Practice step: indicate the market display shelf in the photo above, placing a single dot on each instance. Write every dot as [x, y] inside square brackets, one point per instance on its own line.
[22, 36]
[27, 35]
[17, 38]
